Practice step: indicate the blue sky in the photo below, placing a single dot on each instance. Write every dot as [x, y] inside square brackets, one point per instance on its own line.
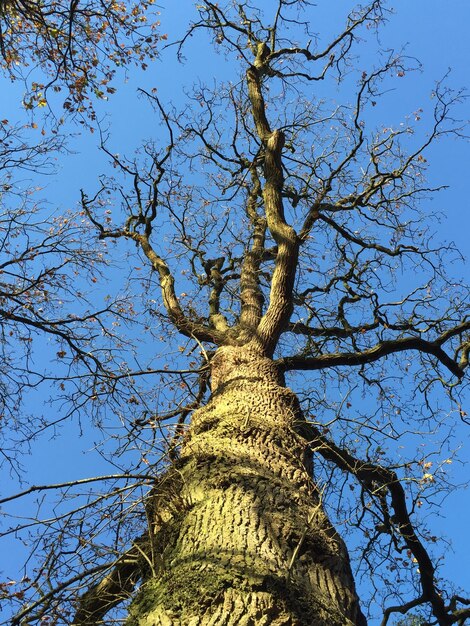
[433, 31]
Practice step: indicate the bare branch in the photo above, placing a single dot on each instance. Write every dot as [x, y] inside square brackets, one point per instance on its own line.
[374, 353]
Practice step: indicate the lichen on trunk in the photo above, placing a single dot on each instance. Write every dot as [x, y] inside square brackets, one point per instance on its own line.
[251, 544]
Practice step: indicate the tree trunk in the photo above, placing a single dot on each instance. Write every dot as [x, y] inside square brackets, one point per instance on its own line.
[240, 537]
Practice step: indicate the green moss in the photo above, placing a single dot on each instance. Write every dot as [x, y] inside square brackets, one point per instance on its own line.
[184, 589]
[143, 603]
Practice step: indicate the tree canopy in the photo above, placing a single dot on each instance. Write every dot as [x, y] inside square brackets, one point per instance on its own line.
[74, 47]
[274, 208]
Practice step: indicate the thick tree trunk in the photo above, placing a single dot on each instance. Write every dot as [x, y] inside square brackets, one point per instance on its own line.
[240, 538]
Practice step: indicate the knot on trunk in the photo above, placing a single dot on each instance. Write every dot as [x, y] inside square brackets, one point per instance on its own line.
[231, 363]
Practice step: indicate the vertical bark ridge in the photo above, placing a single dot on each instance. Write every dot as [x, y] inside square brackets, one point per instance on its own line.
[228, 558]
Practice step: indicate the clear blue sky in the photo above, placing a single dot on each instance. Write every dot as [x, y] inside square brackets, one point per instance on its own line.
[435, 32]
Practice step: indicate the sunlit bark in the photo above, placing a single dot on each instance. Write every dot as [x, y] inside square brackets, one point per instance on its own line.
[253, 544]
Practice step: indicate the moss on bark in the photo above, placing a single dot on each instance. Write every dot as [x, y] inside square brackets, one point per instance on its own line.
[251, 543]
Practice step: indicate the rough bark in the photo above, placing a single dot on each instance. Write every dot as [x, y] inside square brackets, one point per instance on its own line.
[248, 542]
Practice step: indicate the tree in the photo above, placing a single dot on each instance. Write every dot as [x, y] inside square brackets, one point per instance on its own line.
[283, 236]
[53, 47]
[76, 46]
